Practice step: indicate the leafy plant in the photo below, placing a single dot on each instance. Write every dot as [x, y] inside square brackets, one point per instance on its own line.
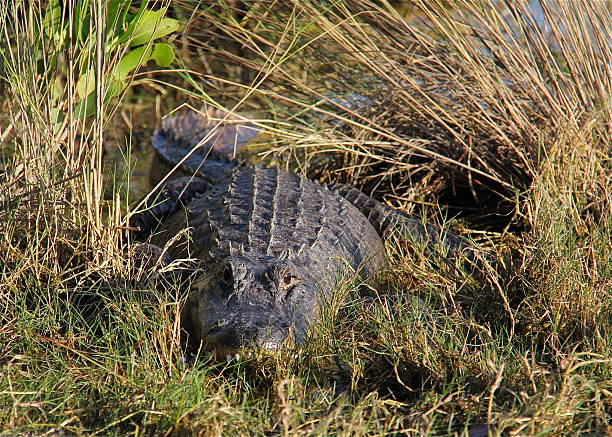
[130, 35]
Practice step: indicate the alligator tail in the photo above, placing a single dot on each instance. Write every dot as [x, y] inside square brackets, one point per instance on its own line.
[390, 222]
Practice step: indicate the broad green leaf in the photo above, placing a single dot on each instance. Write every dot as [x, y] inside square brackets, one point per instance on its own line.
[52, 20]
[163, 55]
[56, 90]
[117, 16]
[85, 30]
[131, 60]
[86, 84]
[148, 26]
[114, 89]
[85, 107]
[136, 16]
[82, 21]
[56, 116]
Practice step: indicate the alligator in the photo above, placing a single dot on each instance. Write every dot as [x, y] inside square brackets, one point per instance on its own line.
[265, 247]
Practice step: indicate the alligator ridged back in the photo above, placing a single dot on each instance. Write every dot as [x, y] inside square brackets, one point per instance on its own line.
[265, 214]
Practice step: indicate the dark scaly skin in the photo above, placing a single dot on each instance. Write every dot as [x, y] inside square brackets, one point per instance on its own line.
[172, 196]
[268, 246]
[179, 139]
[390, 222]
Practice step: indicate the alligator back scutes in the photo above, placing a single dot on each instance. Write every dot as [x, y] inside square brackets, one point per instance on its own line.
[263, 213]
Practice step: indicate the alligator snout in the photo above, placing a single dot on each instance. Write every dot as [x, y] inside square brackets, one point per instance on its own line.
[232, 337]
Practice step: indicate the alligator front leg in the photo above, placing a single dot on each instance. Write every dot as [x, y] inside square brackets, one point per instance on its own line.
[170, 197]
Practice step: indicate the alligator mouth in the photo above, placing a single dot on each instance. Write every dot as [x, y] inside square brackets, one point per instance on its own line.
[222, 354]
[220, 344]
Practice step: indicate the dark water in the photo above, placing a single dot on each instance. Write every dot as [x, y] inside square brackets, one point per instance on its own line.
[127, 170]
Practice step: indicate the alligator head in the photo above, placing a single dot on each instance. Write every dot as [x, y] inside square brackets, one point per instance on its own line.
[246, 303]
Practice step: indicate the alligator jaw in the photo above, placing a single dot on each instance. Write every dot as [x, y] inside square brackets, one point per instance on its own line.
[221, 353]
[227, 340]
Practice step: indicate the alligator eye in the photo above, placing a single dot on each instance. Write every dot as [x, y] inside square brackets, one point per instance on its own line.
[288, 282]
[216, 326]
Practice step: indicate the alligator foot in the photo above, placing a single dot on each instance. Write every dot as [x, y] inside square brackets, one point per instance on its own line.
[148, 257]
[161, 204]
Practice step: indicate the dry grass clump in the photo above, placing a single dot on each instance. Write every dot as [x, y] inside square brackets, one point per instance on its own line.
[52, 213]
[460, 103]
[569, 249]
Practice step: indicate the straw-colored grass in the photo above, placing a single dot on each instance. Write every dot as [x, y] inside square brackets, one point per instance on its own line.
[492, 117]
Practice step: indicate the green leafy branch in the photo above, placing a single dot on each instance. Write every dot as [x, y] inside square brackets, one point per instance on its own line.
[128, 35]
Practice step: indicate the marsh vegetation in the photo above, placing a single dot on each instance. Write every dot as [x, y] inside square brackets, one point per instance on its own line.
[490, 118]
